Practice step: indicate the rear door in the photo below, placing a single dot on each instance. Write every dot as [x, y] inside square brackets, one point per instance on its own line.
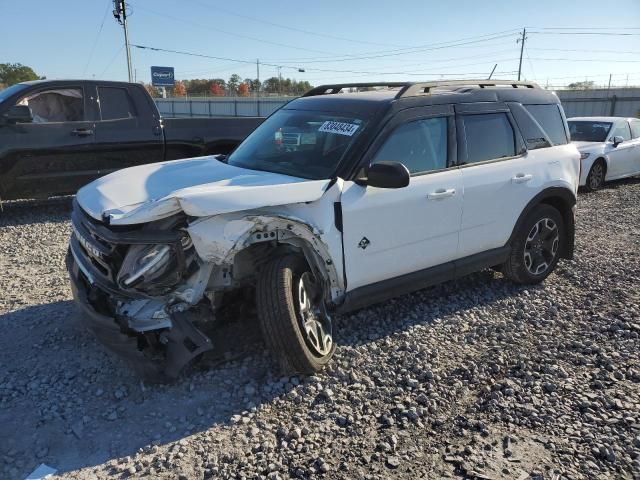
[392, 232]
[128, 131]
[499, 176]
[49, 155]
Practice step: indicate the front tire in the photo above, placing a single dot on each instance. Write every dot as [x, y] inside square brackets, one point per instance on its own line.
[595, 178]
[295, 326]
[535, 250]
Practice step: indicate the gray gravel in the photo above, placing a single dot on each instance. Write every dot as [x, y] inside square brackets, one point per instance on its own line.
[471, 379]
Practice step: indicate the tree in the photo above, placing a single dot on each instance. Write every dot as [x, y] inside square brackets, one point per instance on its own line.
[11, 73]
[586, 85]
[151, 90]
[243, 90]
[233, 83]
[179, 90]
[216, 90]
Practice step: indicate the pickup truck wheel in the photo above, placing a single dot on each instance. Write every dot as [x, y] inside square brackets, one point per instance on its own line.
[595, 179]
[294, 324]
[535, 249]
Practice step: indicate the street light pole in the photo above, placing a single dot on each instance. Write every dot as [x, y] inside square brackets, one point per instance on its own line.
[120, 14]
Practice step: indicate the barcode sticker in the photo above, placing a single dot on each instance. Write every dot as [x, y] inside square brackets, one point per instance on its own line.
[339, 128]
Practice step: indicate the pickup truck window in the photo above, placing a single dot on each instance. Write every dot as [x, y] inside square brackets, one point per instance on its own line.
[55, 105]
[489, 136]
[115, 103]
[298, 143]
[421, 145]
[13, 89]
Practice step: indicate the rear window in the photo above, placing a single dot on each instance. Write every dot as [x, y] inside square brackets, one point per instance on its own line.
[489, 136]
[550, 119]
[115, 103]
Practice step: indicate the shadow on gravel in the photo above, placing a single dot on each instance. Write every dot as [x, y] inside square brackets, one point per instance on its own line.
[67, 402]
[22, 212]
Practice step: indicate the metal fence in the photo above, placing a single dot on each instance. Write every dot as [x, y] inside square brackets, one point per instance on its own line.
[220, 107]
[622, 102]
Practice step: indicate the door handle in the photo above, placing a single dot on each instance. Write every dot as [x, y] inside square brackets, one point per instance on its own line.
[441, 193]
[521, 178]
[82, 132]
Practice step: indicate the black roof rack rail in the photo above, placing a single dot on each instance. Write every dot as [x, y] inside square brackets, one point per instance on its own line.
[335, 88]
[412, 89]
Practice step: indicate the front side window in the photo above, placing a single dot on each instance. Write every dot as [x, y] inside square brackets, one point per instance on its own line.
[549, 118]
[299, 143]
[588, 131]
[489, 136]
[421, 145]
[635, 128]
[115, 103]
[55, 105]
[13, 89]
[621, 129]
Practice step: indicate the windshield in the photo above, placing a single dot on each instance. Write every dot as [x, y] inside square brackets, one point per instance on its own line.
[586, 131]
[7, 92]
[298, 143]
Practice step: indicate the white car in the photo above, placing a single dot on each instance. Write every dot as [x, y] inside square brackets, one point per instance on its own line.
[609, 148]
[336, 201]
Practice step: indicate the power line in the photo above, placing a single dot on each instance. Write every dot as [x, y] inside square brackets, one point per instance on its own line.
[288, 27]
[586, 60]
[585, 50]
[586, 33]
[112, 60]
[95, 42]
[234, 34]
[192, 54]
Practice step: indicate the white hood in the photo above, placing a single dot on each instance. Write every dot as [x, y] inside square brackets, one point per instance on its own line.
[200, 187]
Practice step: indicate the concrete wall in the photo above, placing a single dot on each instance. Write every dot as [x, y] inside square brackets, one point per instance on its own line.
[618, 102]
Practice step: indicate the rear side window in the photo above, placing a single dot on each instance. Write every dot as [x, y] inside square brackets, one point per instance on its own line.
[489, 136]
[621, 129]
[635, 128]
[115, 103]
[549, 118]
[421, 145]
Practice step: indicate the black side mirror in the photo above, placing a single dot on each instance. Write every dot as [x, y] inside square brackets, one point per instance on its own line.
[388, 175]
[18, 114]
[617, 140]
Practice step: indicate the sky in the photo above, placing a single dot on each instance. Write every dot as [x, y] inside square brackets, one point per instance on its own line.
[332, 40]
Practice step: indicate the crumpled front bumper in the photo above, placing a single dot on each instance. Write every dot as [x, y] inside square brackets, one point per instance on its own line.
[184, 342]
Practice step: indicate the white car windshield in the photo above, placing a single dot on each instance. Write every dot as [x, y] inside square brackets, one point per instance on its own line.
[587, 131]
[298, 143]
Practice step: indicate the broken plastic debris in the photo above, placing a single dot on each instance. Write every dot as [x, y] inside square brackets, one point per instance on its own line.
[43, 471]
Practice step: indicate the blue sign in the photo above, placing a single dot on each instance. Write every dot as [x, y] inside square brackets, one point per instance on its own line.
[162, 77]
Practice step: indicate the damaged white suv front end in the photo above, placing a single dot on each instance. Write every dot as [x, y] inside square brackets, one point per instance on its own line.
[156, 248]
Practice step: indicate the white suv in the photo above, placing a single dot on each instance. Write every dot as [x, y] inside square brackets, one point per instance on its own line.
[609, 148]
[338, 200]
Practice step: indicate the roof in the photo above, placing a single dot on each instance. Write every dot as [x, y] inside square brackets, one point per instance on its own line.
[331, 98]
[73, 80]
[598, 119]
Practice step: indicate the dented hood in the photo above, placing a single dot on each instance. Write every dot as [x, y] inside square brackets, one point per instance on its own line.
[200, 187]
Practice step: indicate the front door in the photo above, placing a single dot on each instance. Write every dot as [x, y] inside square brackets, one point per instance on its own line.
[393, 232]
[622, 156]
[49, 155]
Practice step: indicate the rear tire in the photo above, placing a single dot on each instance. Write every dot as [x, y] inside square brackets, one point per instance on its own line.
[294, 325]
[535, 250]
[595, 179]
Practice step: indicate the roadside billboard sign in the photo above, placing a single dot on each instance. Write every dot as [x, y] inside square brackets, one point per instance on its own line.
[162, 76]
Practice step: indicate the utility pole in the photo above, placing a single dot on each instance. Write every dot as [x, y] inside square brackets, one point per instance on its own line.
[258, 76]
[279, 80]
[492, 70]
[609, 86]
[120, 14]
[524, 37]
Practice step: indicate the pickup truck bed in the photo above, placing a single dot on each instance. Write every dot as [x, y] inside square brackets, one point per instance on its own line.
[58, 135]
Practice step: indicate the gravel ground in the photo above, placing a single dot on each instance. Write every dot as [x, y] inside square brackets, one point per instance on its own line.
[471, 379]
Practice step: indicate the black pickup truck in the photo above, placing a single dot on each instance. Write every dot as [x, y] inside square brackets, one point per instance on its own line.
[57, 135]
